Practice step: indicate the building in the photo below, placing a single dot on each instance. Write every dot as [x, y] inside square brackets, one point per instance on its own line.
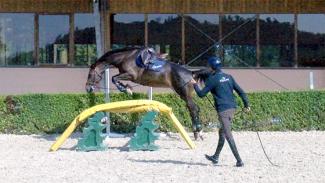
[47, 45]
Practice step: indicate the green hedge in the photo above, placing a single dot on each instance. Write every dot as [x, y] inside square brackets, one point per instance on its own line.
[51, 113]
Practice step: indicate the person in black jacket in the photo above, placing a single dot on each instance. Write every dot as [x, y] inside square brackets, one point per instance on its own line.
[221, 86]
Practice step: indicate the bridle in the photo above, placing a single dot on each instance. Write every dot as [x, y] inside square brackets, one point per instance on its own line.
[94, 82]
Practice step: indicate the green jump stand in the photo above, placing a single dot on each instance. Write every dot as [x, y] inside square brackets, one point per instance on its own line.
[93, 137]
[144, 138]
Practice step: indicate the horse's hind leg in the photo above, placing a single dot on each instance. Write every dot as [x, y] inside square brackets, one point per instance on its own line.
[194, 112]
[185, 94]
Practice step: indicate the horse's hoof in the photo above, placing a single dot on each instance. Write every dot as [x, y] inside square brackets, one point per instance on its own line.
[198, 135]
[201, 135]
[129, 86]
[129, 91]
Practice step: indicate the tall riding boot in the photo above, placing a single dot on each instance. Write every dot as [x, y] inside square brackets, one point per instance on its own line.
[235, 152]
[215, 158]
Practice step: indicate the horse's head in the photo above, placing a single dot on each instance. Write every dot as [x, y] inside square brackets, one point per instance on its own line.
[94, 77]
[201, 75]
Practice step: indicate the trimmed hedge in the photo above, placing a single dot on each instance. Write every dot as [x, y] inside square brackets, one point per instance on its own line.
[52, 113]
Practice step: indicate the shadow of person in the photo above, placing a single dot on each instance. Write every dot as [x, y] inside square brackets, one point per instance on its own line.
[168, 162]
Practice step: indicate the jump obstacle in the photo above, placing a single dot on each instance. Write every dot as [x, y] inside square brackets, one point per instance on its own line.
[128, 106]
[93, 136]
[145, 136]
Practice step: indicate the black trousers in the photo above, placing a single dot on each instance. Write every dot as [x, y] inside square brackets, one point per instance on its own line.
[225, 118]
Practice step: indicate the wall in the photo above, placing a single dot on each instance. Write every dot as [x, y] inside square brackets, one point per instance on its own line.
[167, 6]
[45, 6]
[72, 80]
[217, 6]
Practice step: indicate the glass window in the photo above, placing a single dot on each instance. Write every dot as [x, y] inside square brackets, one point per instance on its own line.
[240, 45]
[16, 39]
[164, 32]
[277, 40]
[85, 39]
[53, 39]
[197, 42]
[128, 30]
[311, 40]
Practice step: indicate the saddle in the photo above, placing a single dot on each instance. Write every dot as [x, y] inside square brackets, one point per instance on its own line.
[149, 60]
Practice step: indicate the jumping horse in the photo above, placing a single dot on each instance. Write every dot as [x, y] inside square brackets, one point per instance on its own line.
[131, 63]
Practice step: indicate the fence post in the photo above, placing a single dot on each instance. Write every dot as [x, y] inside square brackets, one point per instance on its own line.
[311, 80]
[107, 100]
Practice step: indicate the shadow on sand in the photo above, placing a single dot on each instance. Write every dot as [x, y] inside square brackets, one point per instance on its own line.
[168, 162]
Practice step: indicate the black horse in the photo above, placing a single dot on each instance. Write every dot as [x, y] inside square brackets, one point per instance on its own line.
[170, 75]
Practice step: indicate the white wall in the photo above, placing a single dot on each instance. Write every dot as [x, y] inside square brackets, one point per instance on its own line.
[72, 80]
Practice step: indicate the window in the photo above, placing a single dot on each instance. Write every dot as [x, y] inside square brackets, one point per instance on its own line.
[16, 39]
[239, 40]
[311, 40]
[201, 31]
[128, 30]
[53, 39]
[85, 39]
[164, 32]
[277, 40]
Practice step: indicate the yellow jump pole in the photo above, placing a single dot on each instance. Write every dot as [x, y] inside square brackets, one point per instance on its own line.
[74, 124]
[181, 130]
[124, 107]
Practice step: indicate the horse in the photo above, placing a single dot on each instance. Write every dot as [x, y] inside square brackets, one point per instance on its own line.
[170, 75]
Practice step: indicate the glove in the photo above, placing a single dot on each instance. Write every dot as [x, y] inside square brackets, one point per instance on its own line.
[193, 81]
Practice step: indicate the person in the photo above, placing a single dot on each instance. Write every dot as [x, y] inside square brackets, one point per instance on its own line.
[221, 86]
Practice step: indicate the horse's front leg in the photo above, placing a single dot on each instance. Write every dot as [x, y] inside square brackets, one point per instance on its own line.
[121, 86]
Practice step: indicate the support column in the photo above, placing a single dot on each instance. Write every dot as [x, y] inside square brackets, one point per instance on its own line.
[111, 28]
[71, 40]
[220, 51]
[106, 25]
[149, 93]
[107, 30]
[295, 41]
[2, 42]
[258, 49]
[97, 19]
[145, 30]
[183, 40]
[36, 40]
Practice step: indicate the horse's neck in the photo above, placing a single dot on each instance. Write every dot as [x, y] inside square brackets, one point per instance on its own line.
[116, 59]
[100, 67]
[119, 58]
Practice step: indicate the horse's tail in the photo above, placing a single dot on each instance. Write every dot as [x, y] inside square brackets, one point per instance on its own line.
[201, 75]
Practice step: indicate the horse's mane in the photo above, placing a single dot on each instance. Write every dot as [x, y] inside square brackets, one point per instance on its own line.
[109, 53]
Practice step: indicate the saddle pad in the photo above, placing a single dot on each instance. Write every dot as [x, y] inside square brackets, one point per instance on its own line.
[155, 65]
